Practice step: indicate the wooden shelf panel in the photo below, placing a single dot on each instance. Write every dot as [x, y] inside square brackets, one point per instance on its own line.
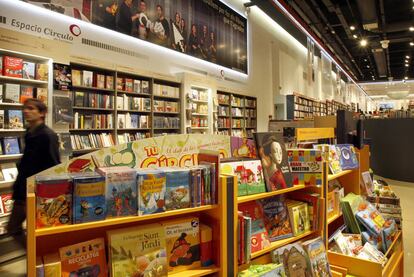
[93, 109]
[166, 97]
[199, 128]
[199, 101]
[92, 88]
[200, 114]
[134, 93]
[6, 184]
[22, 81]
[10, 157]
[167, 113]
[134, 111]
[247, 198]
[335, 176]
[119, 220]
[196, 272]
[81, 151]
[333, 218]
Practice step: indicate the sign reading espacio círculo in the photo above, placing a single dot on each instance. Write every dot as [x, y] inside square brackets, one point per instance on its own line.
[206, 29]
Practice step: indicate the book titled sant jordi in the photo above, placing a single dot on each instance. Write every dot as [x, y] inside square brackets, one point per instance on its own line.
[138, 251]
[151, 191]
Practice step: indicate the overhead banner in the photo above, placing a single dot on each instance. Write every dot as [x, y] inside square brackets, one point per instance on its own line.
[205, 29]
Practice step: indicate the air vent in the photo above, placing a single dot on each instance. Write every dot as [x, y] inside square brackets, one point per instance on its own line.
[112, 48]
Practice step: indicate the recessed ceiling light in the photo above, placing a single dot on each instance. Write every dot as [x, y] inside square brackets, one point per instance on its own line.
[355, 36]
[367, 66]
[407, 57]
[411, 43]
[406, 61]
[405, 78]
[365, 60]
[364, 42]
[406, 65]
[353, 27]
[411, 29]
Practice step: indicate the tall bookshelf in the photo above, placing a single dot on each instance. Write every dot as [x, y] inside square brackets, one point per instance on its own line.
[197, 110]
[303, 107]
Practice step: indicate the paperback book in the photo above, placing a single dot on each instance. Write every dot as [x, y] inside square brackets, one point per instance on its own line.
[62, 109]
[12, 66]
[26, 92]
[347, 156]
[42, 72]
[9, 171]
[11, 93]
[15, 119]
[62, 77]
[177, 189]
[276, 218]
[294, 259]
[28, 70]
[151, 191]
[11, 146]
[317, 257]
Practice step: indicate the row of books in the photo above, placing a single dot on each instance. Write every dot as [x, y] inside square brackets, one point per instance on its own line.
[91, 141]
[93, 100]
[11, 119]
[166, 106]
[198, 94]
[340, 157]
[166, 122]
[223, 99]
[251, 123]
[199, 122]
[16, 93]
[92, 121]
[132, 85]
[156, 249]
[8, 172]
[128, 137]
[238, 123]
[125, 102]
[133, 121]
[9, 146]
[167, 91]
[224, 123]
[122, 191]
[237, 101]
[198, 108]
[236, 112]
[223, 111]
[17, 67]
[250, 112]
[89, 78]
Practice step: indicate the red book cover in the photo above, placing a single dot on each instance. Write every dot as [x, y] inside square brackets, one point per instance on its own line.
[79, 165]
[26, 92]
[7, 202]
[206, 245]
[129, 86]
[12, 67]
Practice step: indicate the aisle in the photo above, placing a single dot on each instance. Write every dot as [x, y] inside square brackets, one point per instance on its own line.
[405, 191]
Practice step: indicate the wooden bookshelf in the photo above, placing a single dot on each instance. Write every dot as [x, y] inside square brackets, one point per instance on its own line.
[92, 88]
[198, 107]
[253, 197]
[11, 157]
[16, 80]
[340, 174]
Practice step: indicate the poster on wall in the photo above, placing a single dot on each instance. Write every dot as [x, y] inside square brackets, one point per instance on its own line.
[205, 29]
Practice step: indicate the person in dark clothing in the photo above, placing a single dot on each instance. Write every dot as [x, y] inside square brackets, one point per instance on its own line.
[40, 153]
[161, 29]
[204, 42]
[125, 18]
[193, 42]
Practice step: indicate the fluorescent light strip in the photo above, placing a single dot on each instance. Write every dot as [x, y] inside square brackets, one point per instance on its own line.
[286, 12]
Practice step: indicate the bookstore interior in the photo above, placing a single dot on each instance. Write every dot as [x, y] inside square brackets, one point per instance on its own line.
[210, 138]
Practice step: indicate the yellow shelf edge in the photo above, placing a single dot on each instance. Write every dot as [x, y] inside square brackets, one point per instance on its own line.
[279, 243]
[335, 176]
[247, 198]
[118, 220]
[196, 272]
[333, 218]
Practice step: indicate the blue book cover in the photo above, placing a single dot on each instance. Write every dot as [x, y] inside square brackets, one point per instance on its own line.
[276, 217]
[134, 121]
[89, 198]
[15, 119]
[11, 146]
[177, 189]
[121, 192]
[347, 156]
[151, 191]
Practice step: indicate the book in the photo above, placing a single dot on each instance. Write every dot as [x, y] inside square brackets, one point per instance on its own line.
[1, 89]
[65, 145]
[182, 243]
[129, 85]
[109, 82]
[40, 271]
[15, 119]
[11, 93]
[138, 251]
[254, 177]
[62, 109]
[12, 66]
[272, 153]
[7, 202]
[87, 78]
[317, 257]
[76, 77]
[306, 166]
[1, 175]
[237, 169]
[367, 181]
[52, 265]
[206, 245]
[53, 200]
[120, 83]
[121, 190]
[100, 81]
[294, 259]
[41, 94]
[145, 87]
[26, 92]
[9, 171]
[137, 86]
[1, 65]
[334, 160]
[88, 198]
[177, 193]
[62, 77]
[79, 98]
[242, 148]
[84, 259]
[1, 119]
[347, 156]
[11, 146]
[266, 270]
[42, 72]
[276, 217]
[151, 191]
[28, 71]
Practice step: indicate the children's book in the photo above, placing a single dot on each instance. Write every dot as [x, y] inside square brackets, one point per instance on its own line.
[367, 180]
[28, 70]
[236, 168]
[243, 148]
[84, 259]
[11, 145]
[138, 251]
[334, 160]
[206, 245]
[317, 257]
[88, 198]
[254, 178]
[299, 217]
[347, 156]
[15, 119]
[11, 93]
[276, 218]
[53, 200]
[177, 194]
[183, 243]
[294, 259]
[273, 155]
[151, 191]
[121, 190]
[7, 202]
[9, 171]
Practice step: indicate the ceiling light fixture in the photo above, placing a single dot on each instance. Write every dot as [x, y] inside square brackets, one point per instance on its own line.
[407, 57]
[411, 29]
[364, 42]
[367, 66]
[411, 43]
[355, 36]
[405, 78]
[353, 27]
[406, 65]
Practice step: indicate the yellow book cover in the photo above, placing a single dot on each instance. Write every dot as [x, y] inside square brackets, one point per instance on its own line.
[52, 266]
[299, 218]
[138, 251]
[183, 243]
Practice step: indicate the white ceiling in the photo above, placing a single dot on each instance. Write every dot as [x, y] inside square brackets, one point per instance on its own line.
[382, 88]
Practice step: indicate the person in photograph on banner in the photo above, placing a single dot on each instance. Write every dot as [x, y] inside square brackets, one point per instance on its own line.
[204, 42]
[161, 29]
[194, 43]
[109, 17]
[125, 18]
[177, 38]
[144, 24]
[212, 48]
[183, 31]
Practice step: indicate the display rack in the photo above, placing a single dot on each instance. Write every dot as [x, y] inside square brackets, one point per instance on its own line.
[197, 110]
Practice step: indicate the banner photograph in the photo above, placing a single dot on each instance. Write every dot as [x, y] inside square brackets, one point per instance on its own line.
[205, 29]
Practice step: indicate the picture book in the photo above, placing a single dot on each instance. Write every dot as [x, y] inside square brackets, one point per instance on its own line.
[1, 119]
[15, 119]
[276, 217]
[9, 171]
[259, 236]
[84, 259]
[183, 243]
[62, 109]
[151, 191]
[305, 160]
[347, 156]
[52, 265]
[121, 191]
[334, 160]
[138, 251]
[242, 147]
[236, 168]
[294, 259]
[87, 78]
[41, 94]
[12, 66]
[367, 180]
[7, 202]
[88, 198]
[11, 93]
[26, 92]
[28, 70]
[11, 146]
[53, 201]
[317, 257]
[177, 194]
[272, 153]
[254, 177]
[76, 77]
[42, 72]
[299, 217]
[370, 218]
[109, 82]
[62, 77]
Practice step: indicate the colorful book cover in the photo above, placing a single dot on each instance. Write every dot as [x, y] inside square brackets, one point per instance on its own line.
[370, 218]
[317, 257]
[84, 259]
[62, 109]
[52, 265]
[41, 94]
[11, 145]
[236, 168]
[15, 119]
[76, 77]
[53, 201]
[347, 156]
[243, 148]
[177, 194]
[138, 251]
[88, 198]
[134, 120]
[145, 86]
[119, 83]
[11, 93]
[87, 78]
[276, 217]
[254, 177]
[7, 202]
[305, 160]
[294, 259]
[259, 236]
[313, 200]
[100, 81]
[129, 85]
[151, 191]
[26, 92]
[137, 86]
[367, 180]
[42, 72]
[28, 70]
[12, 66]
[334, 160]
[62, 77]
[121, 191]
[183, 244]
[9, 171]
[206, 245]
[272, 152]
[109, 82]
[299, 217]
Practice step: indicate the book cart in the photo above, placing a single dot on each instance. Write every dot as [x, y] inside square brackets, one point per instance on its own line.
[47, 240]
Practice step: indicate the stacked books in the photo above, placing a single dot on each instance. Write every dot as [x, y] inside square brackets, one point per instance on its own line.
[91, 141]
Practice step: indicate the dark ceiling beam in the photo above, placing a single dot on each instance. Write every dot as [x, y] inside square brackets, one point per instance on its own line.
[383, 26]
[368, 11]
